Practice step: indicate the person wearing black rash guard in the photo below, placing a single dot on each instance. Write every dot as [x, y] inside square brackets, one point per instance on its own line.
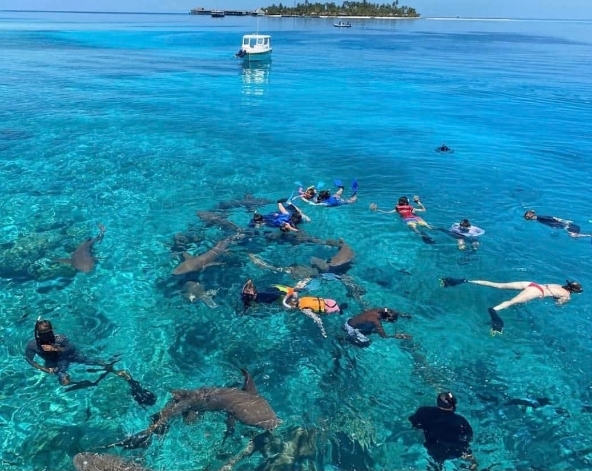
[447, 434]
[555, 223]
[56, 351]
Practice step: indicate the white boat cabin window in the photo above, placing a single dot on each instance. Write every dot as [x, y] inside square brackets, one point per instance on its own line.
[252, 42]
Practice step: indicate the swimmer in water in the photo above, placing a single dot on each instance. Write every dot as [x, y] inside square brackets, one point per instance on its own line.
[555, 223]
[444, 149]
[464, 232]
[529, 290]
[407, 213]
[312, 306]
[56, 351]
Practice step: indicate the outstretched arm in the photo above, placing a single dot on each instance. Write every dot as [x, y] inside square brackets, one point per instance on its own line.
[374, 207]
[379, 328]
[420, 206]
[30, 357]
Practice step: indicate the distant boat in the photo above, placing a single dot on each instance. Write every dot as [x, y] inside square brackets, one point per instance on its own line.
[255, 48]
[217, 13]
[341, 24]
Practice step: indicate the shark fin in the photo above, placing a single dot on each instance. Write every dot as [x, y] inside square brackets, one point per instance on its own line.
[249, 385]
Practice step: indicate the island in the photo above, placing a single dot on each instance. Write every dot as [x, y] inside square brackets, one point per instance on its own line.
[322, 10]
[352, 9]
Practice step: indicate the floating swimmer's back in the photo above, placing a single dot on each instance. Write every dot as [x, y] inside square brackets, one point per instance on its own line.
[473, 231]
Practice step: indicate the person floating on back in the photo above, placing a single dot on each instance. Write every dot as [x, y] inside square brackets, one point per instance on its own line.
[529, 290]
[447, 434]
[407, 213]
[464, 232]
[370, 321]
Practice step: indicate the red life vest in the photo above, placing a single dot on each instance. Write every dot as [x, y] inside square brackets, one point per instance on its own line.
[405, 210]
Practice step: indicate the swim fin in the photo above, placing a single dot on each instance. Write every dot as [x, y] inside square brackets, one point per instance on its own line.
[427, 239]
[497, 323]
[338, 183]
[448, 282]
[355, 187]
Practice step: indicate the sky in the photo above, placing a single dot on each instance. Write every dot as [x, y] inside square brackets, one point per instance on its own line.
[564, 9]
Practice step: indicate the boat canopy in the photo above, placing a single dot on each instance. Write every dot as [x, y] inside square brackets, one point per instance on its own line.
[253, 40]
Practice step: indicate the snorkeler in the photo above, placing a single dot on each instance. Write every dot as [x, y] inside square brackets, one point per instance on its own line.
[309, 194]
[555, 223]
[286, 218]
[407, 212]
[56, 352]
[464, 232]
[529, 290]
[250, 294]
[312, 306]
[325, 198]
[447, 434]
[370, 321]
[444, 149]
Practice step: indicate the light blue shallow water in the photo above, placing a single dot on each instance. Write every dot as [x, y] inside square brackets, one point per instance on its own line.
[139, 121]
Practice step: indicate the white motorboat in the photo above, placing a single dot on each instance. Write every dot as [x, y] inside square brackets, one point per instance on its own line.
[255, 47]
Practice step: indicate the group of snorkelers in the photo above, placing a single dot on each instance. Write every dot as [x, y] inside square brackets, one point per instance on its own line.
[447, 434]
[462, 231]
[289, 216]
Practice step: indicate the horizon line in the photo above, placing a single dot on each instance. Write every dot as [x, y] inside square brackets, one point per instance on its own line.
[181, 13]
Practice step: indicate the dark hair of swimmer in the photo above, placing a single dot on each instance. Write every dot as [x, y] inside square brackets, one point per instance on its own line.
[389, 315]
[257, 218]
[44, 333]
[573, 287]
[465, 223]
[446, 401]
[403, 200]
[530, 214]
[323, 195]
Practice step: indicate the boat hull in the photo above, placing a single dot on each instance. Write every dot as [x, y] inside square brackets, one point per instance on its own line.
[257, 56]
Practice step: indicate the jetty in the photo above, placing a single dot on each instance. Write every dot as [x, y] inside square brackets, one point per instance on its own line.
[204, 11]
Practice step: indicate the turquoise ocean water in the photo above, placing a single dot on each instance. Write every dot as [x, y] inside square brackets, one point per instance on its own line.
[139, 121]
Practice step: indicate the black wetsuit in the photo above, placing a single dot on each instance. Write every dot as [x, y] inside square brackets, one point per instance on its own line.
[556, 223]
[270, 295]
[60, 360]
[447, 434]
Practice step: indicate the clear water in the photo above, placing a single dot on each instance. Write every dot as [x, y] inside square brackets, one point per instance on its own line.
[137, 122]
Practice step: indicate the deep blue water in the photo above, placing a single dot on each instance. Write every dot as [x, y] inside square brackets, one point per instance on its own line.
[137, 122]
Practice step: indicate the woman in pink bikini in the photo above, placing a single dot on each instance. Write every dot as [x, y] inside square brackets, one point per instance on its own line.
[528, 291]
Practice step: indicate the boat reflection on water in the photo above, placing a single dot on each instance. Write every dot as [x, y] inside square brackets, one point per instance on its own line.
[255, 77]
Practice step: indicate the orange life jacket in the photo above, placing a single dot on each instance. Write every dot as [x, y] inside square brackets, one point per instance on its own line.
[314, 304]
